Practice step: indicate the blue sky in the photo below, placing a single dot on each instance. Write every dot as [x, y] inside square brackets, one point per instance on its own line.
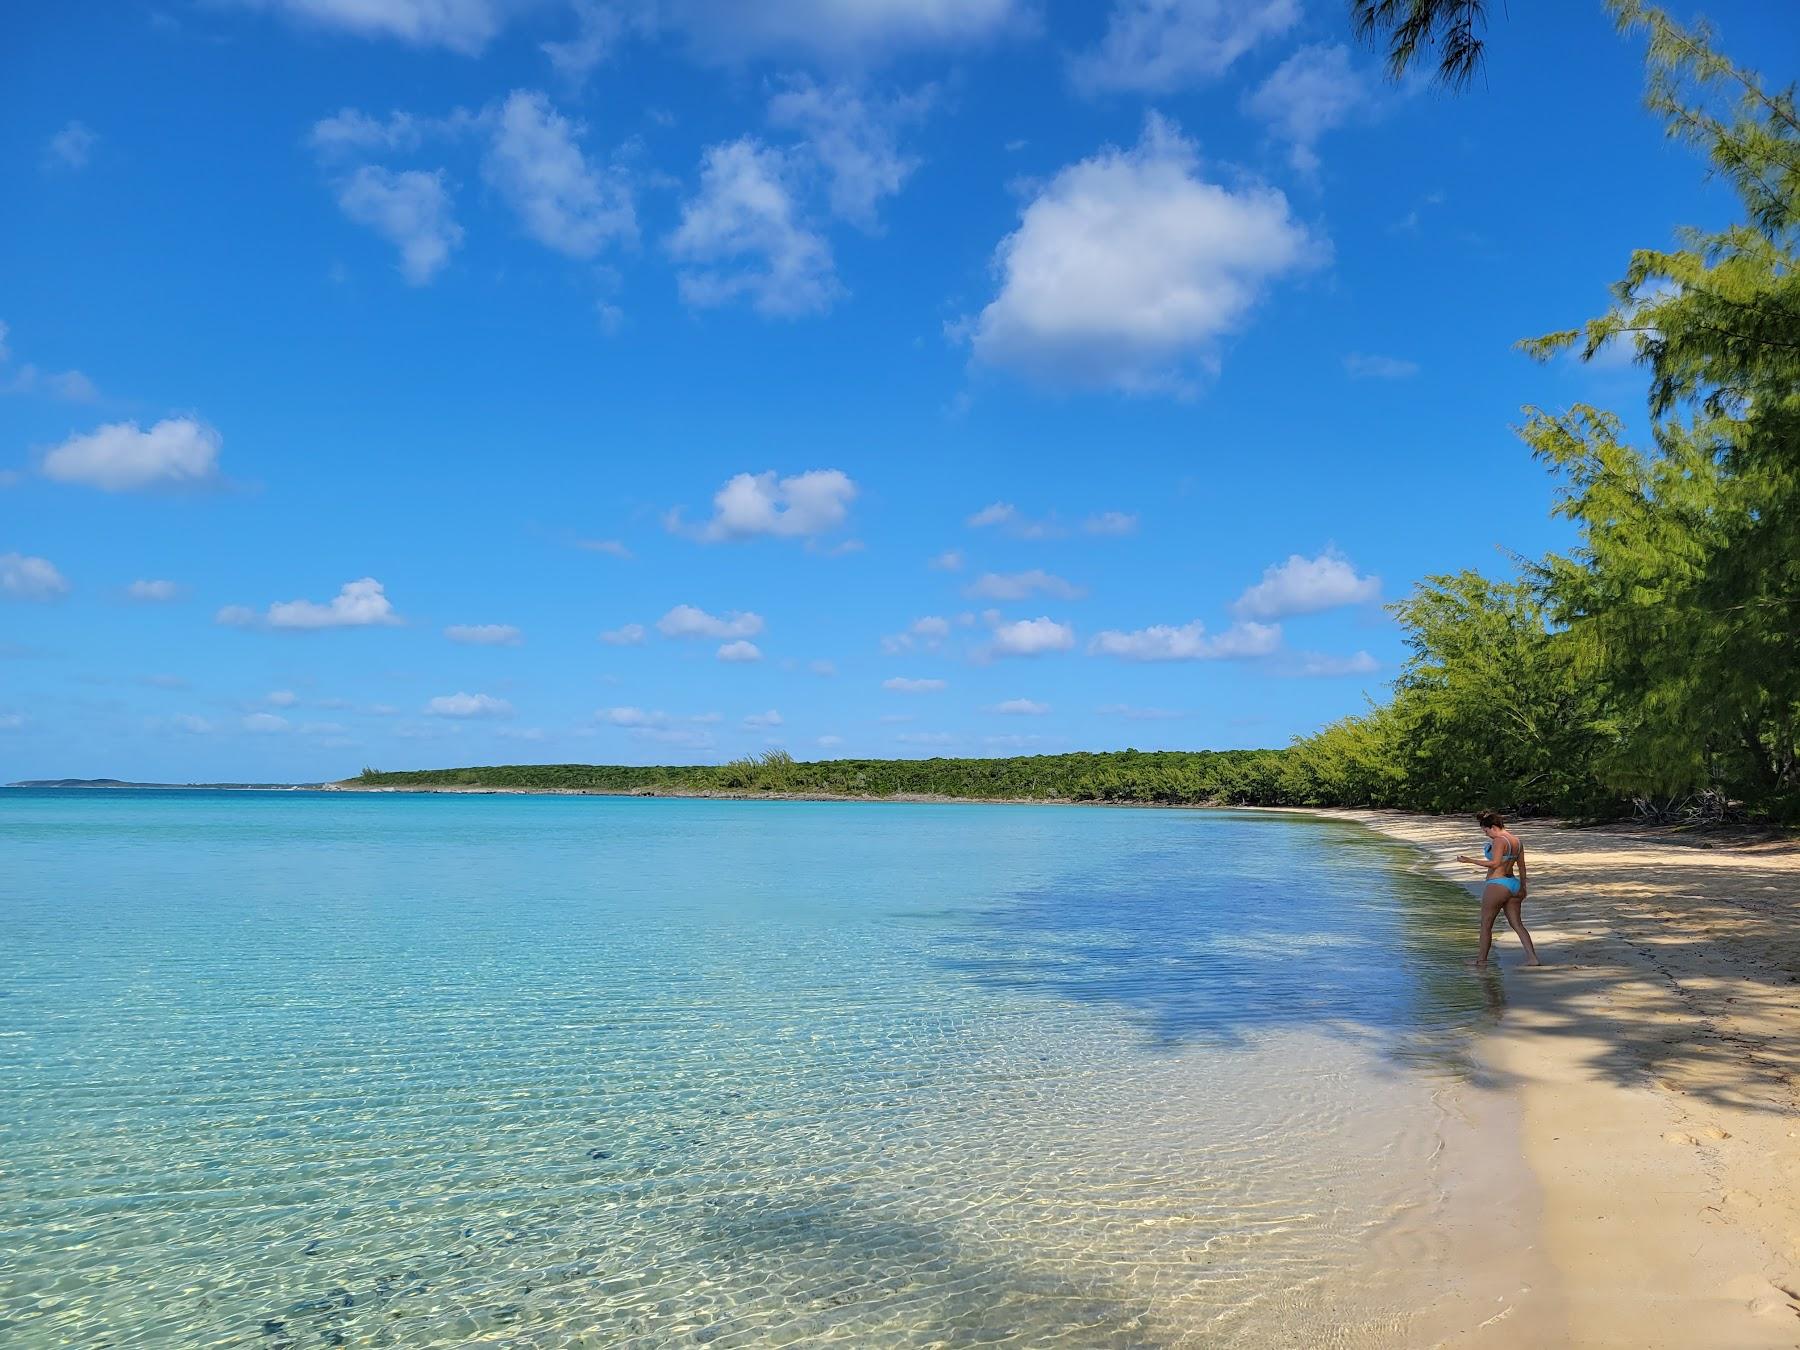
[425, 382]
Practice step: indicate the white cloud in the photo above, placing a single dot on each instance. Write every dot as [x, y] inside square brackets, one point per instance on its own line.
[740, 651]
[194, 726]
[842, 32]
[70, 385]
[464, 26]
[411, 210]
[799, 506]
[1019, 585]
[1153, 46]
[632, 717]
[1021, 707]
[686, 621]
[1111, 522]
[741, 236]
[599, 27]
[468, 705]
[72, 147]
[281, 698]
[1310, 93]
[825, 669]
[1321, 665]
[23, 577]
[1031, 637]
[536, 164]
[1007, 517]
[485, 634]
[950, 560]
[771, 718]
[900, 684]
[358, 604]
[1306, 586]
[628, 635]
[264, 722]
[852, 136]
[1379, 367]
[120, 457]
[830, 742]
[614, 547]
[1128, 267]
[1137, 714]
[929, 632]
[153, 592]
[1189, 642]
[351, 132]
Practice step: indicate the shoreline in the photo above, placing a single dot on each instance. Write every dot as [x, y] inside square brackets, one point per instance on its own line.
[1651, 1071]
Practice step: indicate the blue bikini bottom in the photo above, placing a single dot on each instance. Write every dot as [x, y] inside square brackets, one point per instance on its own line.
[1511, 883]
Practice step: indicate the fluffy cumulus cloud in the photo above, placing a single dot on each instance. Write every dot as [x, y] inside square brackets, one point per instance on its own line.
[1007, 518]
[464, 26]
[615, 548]
[853, 138]
[626, 635]
[29, 378]
[771, 718]
[1306, 586]
[1313, 91]
[152, 591]
[1030, 637]
[485, 634]
[844, 32]
[536, 164]
[264, 722]
[1188, 642]
[901, 684]
[121, 457]
[742, 236]
[24, 577]
[1128, 267]
[468, 705]
[1153, 46]
[410, 209]
[358, 604]
[739, 651]
[928, 632]
[950, 560]
[688, 621]
[1021, 707]
[1019, 585]
[802, 505]
[1111, 522]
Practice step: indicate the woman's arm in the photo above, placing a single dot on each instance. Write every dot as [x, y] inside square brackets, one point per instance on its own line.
[1524, 883]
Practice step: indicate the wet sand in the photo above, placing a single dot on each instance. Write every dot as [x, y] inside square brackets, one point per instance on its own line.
[1651, 1069]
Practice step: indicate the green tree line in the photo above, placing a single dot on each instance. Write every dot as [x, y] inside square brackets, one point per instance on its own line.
[1655, 666]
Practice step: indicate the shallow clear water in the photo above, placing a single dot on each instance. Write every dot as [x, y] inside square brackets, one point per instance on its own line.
[315, 1069]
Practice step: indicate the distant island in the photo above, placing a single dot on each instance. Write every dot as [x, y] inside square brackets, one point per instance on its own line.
[1161, 777]
[124, 783]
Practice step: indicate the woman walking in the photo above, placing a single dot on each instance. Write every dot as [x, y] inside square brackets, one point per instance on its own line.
[1503, 890]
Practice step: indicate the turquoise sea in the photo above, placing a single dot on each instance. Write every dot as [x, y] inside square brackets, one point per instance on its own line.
[307, 1069]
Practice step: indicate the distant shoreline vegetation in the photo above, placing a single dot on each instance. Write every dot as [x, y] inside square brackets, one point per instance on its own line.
[1161, 777]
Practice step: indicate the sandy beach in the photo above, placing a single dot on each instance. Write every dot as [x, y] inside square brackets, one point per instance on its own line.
[1652, 1070]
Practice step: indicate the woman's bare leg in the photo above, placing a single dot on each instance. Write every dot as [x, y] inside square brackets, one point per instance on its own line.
[1515, 915]
[1493, 899]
